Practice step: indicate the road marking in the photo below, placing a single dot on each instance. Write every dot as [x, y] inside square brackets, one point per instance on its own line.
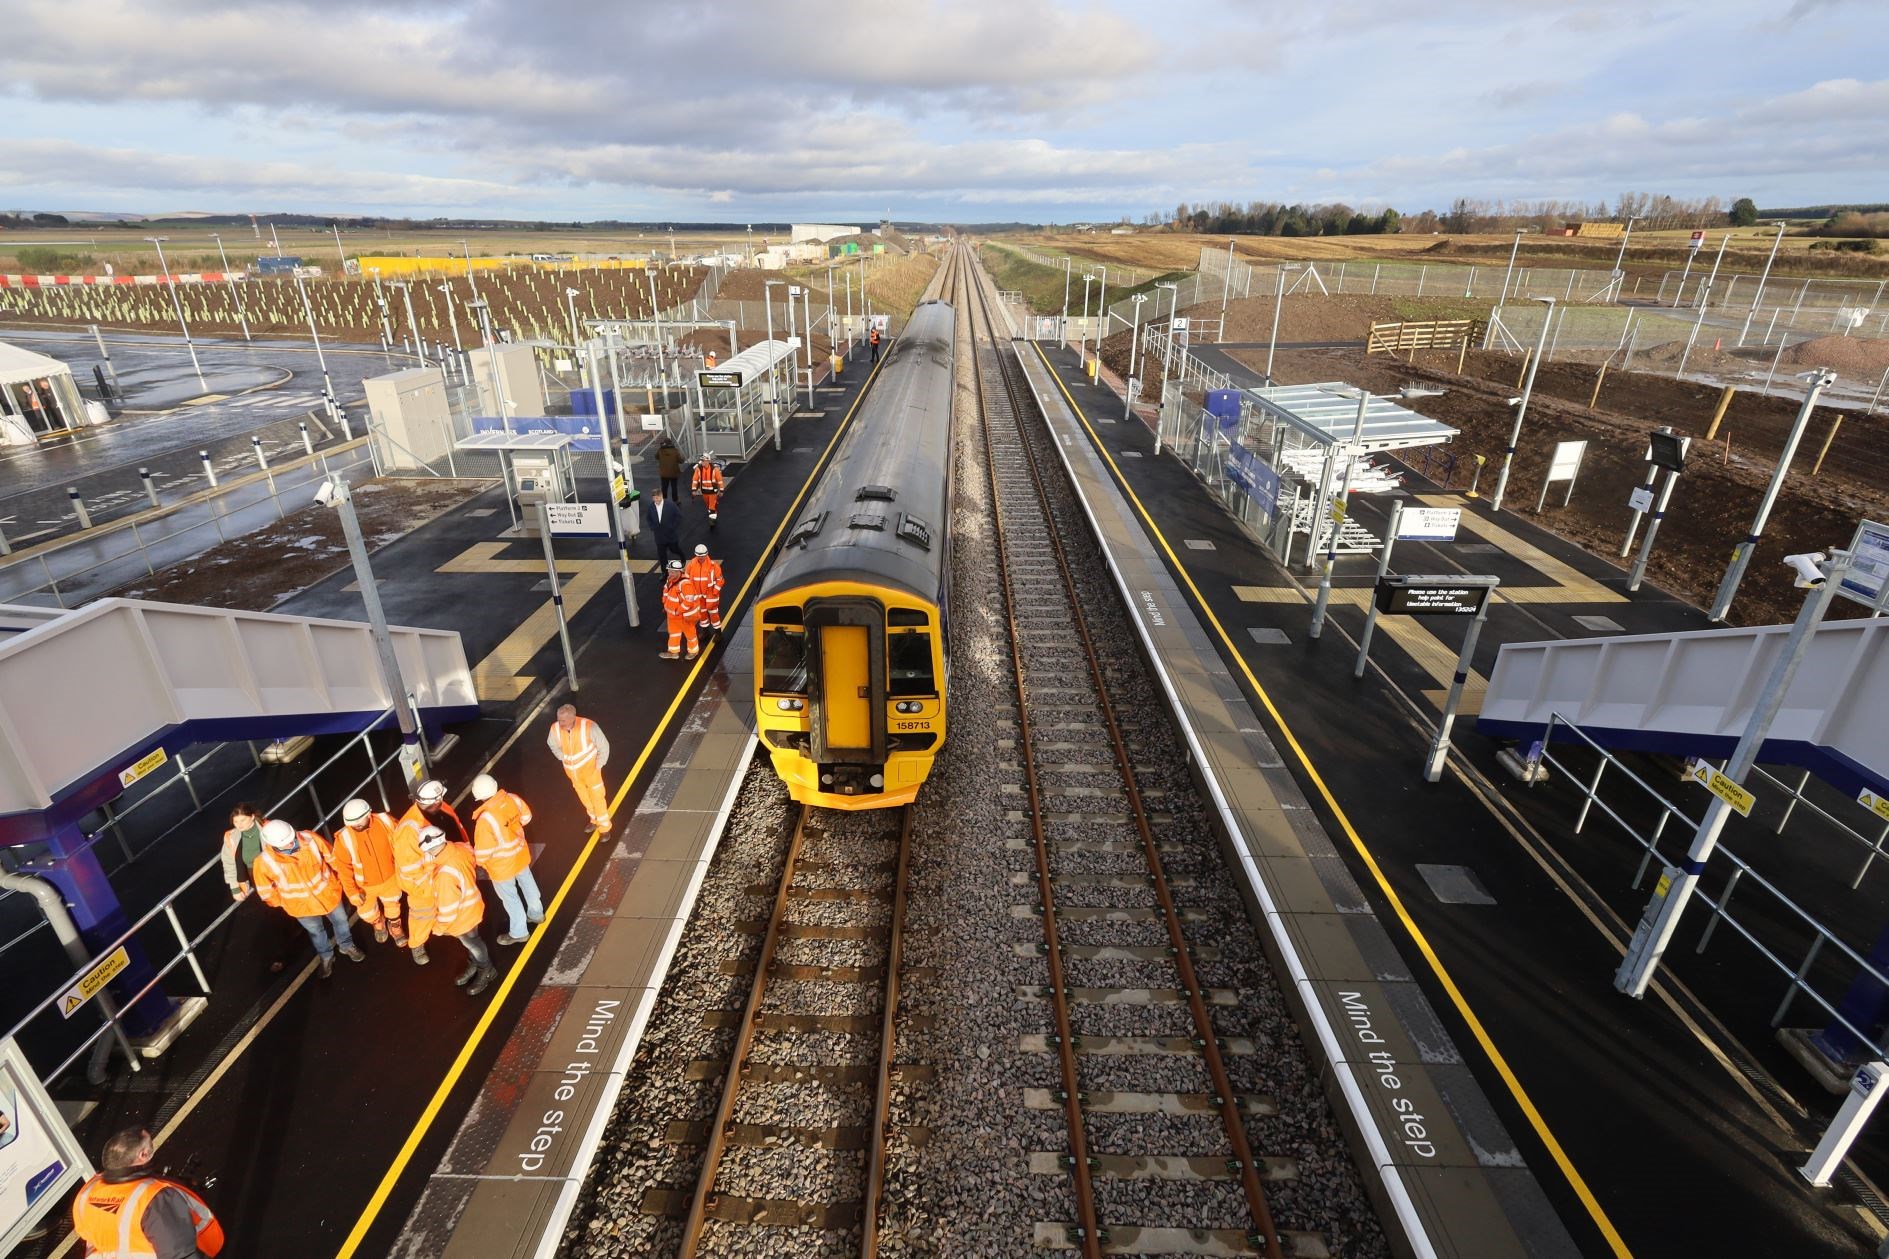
[500, 675]
[1535, 1119]
[453, 1073]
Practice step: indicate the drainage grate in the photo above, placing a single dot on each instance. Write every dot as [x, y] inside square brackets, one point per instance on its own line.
[1198, 544]
[1268, 636]
[1131, 454]
[483, 511]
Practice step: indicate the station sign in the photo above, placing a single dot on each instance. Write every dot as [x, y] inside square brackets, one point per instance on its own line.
[1867, 582]
[578, 520]
[90, 983]
[1721, 786]
[1641, 499]
[650, 423]
[718, 379]
[1566, 463]
[1698, 239]
[1428, 524]
[1431, 596]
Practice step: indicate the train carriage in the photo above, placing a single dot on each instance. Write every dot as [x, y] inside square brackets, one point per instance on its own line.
[851, 627]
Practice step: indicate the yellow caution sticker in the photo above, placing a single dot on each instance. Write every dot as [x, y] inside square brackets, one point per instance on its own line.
[1664, 885]
[1722, 787]
[144, 765]
[1874, 803]
[100, 973]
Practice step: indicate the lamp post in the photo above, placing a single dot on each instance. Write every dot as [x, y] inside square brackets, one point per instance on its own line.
[406, 297]
[327, 385]
[1513, 249]
[655, 317]
[1278, 302]
[773, 381]
[1226, 288]
[1521, 407]
[1820, 380]
[451, 319]
[1082, 341]
[471, 280]
[1620, 276]
[1134, 339]
[334, 492]
[1174, 306]
[236, 298]
[482, 311]
[1759, 295]
[806, 309]
[178, 306]
[1062, 329]
[386, 326]
[338, 249]
[570, 304]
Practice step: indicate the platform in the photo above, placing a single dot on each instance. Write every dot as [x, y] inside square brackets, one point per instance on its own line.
[1508, 923]
[284, 1073]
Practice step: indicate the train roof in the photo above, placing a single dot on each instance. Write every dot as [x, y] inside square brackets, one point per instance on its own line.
[881, 513]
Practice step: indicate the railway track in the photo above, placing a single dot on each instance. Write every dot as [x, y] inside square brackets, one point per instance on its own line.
[1067, 723]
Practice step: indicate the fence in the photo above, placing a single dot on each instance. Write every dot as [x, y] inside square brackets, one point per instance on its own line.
[161, 935]
[1118, 273]
[1743, 293]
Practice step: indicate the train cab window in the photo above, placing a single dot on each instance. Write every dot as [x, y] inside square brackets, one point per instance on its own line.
[784, 661]
[908, 665]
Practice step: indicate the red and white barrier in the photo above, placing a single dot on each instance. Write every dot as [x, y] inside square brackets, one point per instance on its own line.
[59, 281]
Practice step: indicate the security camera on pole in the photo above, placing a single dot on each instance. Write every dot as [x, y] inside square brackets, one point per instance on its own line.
[1820, 380]
[1521, 406]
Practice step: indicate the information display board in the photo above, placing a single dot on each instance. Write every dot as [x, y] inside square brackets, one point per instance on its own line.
[1403, 596]
[1867, 582]
[40, 1159]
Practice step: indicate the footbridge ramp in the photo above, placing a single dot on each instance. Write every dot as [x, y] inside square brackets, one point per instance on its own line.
[85, 694]
[1692, 694]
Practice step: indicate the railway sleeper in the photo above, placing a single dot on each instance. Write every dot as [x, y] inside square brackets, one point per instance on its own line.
[1119, 952]
[1163, 1166]
[1137, 1046]
[848, 1024]
[1131, 1240]
[1106, 913]
[837, 1137]
[810, 1073]
[1128, 881]
[766, 1212]
[1102, 1102]
[1127, 996]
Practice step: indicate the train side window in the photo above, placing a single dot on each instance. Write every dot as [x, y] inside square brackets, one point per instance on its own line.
[784, 661]
[908, 665]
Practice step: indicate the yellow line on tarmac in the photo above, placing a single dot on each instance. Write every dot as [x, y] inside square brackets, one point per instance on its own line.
[1599, 1215]
[430, 1115]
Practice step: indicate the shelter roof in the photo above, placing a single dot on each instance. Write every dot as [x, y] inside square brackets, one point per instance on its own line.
[17, 365]
[1328, 414]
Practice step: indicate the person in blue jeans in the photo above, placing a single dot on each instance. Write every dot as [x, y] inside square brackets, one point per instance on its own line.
[295, 873]
[498, 844]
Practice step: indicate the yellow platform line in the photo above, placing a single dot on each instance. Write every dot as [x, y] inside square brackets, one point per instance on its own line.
[1536, 1120]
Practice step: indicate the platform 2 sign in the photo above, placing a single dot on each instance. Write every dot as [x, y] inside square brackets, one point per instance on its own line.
[1428, 524]
[1400, 597]
[1722, 787]
[101, 972]
[40, 1159]
[578, 520]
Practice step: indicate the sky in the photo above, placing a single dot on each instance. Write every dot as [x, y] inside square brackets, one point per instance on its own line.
[950, 110]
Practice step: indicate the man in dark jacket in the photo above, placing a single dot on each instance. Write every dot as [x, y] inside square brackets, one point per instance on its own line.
[669, 468]
[662, 519]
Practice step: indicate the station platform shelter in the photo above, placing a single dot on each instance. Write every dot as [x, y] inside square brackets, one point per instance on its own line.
[37, 397]
[739, 404]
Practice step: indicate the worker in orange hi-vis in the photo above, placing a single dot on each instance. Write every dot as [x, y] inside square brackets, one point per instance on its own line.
[582, 749]
[705, 574]
[293, 873]
[363, 849]
[455, 876]
[498, 843]
[706, 480]
[708, 360]
[683, 608]
[429, 808]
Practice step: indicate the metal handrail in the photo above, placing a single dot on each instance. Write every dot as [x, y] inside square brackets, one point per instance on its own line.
[164, 906]
[1741, 869]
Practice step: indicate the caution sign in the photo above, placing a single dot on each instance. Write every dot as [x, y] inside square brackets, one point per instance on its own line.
[1874, 803]
[1722, 787]
[100, 973]
[144, 765]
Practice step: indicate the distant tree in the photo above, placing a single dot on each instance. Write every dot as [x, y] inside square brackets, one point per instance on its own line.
[52, 220]
[1744, 212]
[1389, 222]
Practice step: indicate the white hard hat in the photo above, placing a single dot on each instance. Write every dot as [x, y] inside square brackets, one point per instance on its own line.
[432, 839]
[355, 811]
[675, 566]
[432, 791]
[278, 834]
[701, 548]
[484, 787]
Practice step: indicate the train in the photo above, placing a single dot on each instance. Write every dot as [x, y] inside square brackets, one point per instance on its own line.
[852, 629]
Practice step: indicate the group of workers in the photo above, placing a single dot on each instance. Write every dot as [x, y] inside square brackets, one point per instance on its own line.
[692, 586]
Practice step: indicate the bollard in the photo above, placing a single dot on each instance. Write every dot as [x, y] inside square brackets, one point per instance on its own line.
[6, 548]
[150, 490]
[209, 469]
[78, 505]
[262, 460]
[347, 429]
[308, 443]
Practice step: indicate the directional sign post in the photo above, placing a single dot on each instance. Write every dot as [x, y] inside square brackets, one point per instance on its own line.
[1392, 532]
[557, 593]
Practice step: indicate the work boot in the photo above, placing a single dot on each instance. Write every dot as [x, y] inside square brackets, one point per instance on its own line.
[327, 967]
[353, 954]
[380, 933]
[532, 922]
[509, 939]
[419, 956]
[667, 655]
[465, 976]
[692, 655]
[483, 982]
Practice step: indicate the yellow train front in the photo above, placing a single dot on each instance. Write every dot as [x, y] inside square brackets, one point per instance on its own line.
[851, 646]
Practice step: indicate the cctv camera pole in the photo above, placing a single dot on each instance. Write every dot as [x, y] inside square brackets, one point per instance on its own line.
[1741, 557]
[1661, 918]
[610, 480]
[412, 751]
[1659, 513]
[1521, 410]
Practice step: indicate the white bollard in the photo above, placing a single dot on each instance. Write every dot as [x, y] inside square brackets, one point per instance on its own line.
[150, 490]
[262, 460]
[78, 505]
[209, 469]
[308, 443]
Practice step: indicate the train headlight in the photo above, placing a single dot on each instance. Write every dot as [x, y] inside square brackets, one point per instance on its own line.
[790, 705]
[908, 706]
[877, 780]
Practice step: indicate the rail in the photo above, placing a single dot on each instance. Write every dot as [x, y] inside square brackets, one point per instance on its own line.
[187, 944]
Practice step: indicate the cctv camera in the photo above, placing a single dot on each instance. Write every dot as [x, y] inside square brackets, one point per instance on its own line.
[1808, 572]
[327, 493]
[1515, 402]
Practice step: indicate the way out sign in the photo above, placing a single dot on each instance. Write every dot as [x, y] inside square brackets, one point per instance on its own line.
[96, 976]
[578, 520]
[1564, 466]
[1428, 524]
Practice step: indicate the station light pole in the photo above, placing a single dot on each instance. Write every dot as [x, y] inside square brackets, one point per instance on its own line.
[406, 298]
[178, 306]
[1620, 275]
[1174, 305]
[1082, 341]
[471, 279]
[1062, 329]
[1759, 295]
[1226, 288]
[1513, 249]
[327, 384]
[236, 298]
[570, 304]
[1820, 380]
[451, 319]
[1134, 339]
[482, 311]
[773, 370]
[1278, 302]
[1521, 406]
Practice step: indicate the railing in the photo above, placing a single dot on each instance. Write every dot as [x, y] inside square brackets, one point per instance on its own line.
[1778, 914]
[187, 945]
